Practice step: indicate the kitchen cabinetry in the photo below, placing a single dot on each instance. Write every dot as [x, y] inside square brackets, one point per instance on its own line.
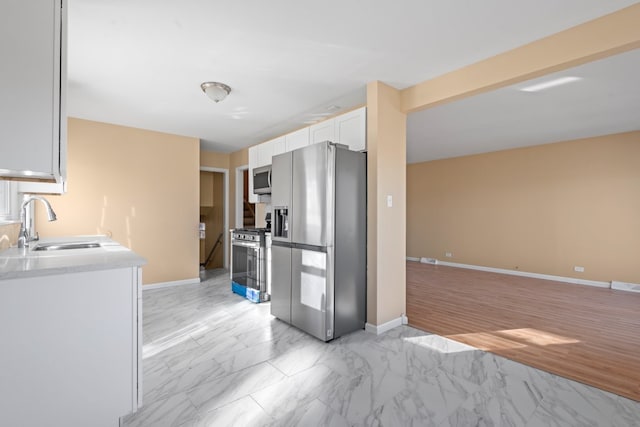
[297, 139]
[268, 149]
[71, 347]
[323, 131]
[32, 113]
[351, 129]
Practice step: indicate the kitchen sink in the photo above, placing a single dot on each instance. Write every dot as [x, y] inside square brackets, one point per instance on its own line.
[68, 245]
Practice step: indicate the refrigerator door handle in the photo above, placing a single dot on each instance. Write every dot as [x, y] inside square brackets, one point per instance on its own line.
[306, 247]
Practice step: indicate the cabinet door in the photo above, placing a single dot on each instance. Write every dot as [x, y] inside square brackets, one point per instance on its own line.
[253, 163]
[31, 45]
[268, 149]
[279, 146]
[72, 350]
[351, 129]
[297, 139]
[323, 131]
[263, 154]
[138, 372]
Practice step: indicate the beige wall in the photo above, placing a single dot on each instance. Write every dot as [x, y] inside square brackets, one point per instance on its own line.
[609, 35]
[140, 187]
[542, 209]
[386, 226]
[213, 159]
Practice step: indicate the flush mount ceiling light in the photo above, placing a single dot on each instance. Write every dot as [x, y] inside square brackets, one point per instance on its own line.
[216, 91]
[549, 84]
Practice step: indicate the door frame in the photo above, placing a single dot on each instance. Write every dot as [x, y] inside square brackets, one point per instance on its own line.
[225, 225]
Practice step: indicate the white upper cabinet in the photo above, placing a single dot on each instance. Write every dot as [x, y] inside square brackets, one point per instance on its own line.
[268, 149]
[351, 129]
[32, 113]
[297, 139]
[323, 131]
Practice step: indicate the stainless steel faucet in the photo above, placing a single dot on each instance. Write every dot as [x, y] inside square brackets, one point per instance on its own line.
[24, 238]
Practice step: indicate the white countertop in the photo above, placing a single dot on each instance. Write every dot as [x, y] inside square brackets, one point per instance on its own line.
[17, 263]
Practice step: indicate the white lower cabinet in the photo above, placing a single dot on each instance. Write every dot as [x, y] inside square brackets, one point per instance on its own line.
[71, 348]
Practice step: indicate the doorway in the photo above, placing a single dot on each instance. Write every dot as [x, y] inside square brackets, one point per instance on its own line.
[213, 221]
[248, 208]
[245, 214]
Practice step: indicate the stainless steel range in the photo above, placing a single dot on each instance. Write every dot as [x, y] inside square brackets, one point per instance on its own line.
[251, 263]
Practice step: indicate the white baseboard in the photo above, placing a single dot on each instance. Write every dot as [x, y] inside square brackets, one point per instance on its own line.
[410, 258]
[527, 274]
[161, 285]
[624, 286]
[380, 329]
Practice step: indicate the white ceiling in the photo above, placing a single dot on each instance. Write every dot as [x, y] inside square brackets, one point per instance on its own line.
[605, 101]
[140, 62]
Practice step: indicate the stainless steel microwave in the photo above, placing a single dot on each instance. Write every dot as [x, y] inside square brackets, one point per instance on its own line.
[262, 180]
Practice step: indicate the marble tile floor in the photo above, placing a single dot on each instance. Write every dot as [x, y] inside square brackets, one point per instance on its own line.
[212, 358]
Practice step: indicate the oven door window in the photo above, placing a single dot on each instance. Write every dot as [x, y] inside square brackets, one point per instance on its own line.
[253, 255]
[244, 269]
[239, 264]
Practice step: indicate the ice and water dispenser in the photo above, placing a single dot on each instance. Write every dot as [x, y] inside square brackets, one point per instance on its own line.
[281, 222]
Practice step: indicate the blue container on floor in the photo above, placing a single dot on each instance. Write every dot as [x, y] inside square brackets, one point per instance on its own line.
[252, 295]
[239, 289]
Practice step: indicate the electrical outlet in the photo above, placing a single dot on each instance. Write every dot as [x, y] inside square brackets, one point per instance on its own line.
[448, 254]
[578, 269]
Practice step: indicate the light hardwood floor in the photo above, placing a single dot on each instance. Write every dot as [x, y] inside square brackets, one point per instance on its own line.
[584, 333]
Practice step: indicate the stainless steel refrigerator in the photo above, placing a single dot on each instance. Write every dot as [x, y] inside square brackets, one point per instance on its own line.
[318, 251]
